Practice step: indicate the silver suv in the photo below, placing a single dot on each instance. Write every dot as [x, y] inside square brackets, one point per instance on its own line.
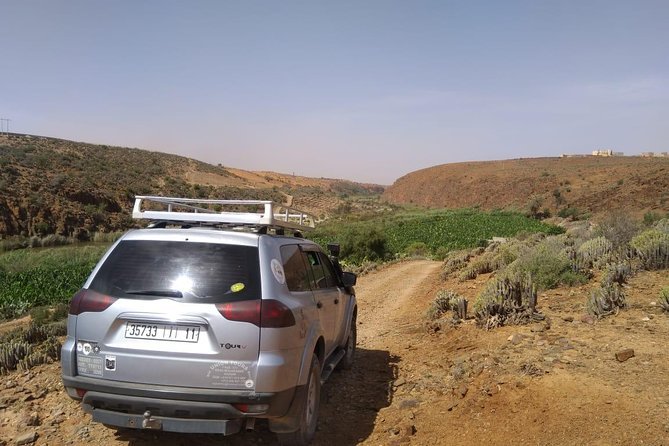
[207, 320]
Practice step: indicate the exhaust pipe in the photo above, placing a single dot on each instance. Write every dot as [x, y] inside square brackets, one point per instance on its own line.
[250, 424]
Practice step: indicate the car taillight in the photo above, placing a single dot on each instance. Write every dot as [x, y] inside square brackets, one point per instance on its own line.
[267, 313]
[90, 301]
[274, 314]
[241, 311]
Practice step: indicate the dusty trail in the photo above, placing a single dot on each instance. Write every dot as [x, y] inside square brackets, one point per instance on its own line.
[352, 399]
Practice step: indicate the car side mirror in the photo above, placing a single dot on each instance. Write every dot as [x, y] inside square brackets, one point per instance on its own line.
[349, 279]
[334, 249]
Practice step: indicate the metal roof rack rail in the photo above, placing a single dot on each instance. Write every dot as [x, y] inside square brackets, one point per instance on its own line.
[193, 210]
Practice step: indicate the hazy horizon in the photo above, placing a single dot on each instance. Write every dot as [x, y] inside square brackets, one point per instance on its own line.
[365, 91]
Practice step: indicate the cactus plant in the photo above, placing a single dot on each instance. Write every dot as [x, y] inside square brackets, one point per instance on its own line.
[618, 272]
[448, 301]
[652, 248]
[593, 251]
[507, 300]
[606, 300]
[11, 354]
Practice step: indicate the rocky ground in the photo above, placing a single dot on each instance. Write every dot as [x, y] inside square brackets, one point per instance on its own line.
[566, 381]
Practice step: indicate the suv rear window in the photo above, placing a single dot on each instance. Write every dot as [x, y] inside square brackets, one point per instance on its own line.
[188, 271]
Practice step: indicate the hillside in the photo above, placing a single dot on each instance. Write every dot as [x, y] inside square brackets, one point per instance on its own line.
[584, 184]
[73, 189]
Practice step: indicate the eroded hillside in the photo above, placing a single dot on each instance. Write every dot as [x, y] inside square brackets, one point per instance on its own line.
[568, 185]
[55, 186]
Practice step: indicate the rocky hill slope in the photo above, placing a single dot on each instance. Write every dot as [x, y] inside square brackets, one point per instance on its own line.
[55, 186]
[580, 184]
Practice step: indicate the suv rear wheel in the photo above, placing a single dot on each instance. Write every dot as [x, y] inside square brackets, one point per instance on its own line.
[309, 414]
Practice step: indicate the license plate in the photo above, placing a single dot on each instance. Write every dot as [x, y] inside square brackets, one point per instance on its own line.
[162, 332]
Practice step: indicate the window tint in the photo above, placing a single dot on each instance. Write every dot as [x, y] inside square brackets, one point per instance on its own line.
[192, 272]
[297, 277]
[322, 268]
[330, 276]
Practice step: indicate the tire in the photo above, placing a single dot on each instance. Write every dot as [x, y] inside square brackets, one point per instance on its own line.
[349, 347]
[309, 412]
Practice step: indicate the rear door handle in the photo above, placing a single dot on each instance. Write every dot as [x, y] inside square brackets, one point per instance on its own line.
[319, 304]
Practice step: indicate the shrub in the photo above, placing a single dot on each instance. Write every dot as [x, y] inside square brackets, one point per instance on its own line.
[455, 260]
[652, 248]
[571, 213]
[441, 253]
[619, 228]
[417, 249]
[664, 299]
[650, 218]
[548, 265]
[507, 300]
[362, 243]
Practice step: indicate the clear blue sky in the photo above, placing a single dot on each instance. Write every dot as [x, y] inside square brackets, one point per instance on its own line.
[363, 90]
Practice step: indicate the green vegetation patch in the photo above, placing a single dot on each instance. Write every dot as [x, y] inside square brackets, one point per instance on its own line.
[432, 231]
[48, 276]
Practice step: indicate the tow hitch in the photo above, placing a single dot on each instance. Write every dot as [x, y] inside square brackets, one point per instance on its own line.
[151, 423]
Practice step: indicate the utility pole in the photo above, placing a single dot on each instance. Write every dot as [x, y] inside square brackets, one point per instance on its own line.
[4, 125]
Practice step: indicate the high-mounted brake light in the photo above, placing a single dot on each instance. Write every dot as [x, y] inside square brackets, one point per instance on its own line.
[90, 301]
[266, 313]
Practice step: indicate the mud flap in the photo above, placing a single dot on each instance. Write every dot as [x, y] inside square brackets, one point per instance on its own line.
[290, 422]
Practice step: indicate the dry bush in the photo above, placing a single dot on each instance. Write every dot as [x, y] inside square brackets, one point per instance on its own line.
[619, 228]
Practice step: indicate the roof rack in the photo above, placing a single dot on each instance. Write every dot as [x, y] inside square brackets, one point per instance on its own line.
[191, 210]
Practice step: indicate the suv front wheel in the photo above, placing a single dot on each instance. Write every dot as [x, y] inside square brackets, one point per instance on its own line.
[309, 413]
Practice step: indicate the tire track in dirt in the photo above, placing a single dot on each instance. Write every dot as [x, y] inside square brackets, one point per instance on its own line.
[387, 297]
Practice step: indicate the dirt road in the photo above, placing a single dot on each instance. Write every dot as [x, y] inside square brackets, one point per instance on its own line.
[554, 383]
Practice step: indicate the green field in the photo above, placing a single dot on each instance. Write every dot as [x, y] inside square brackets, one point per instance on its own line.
[46, 276]
[439, 231]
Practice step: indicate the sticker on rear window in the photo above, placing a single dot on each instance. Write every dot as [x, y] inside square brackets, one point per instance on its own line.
[277, 270]
[237, 287]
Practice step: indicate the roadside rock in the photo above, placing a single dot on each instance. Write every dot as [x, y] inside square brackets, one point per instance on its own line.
[516, 338]
[462, 391]
[587, 319]
[26, 438]
[624, 355]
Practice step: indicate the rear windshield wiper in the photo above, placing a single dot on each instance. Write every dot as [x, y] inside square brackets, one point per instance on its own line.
[166, 293]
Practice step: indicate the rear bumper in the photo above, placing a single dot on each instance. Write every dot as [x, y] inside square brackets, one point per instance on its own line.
[175, 409]
[168, 424]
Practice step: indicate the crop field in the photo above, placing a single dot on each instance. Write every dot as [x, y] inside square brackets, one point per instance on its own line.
[47, 276]
[438, 231]
[459, 229]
